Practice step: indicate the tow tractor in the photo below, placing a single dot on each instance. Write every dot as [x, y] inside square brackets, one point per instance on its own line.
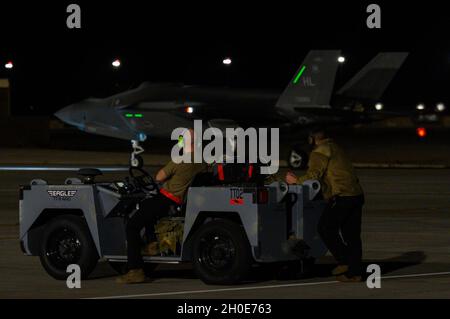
[224, 229]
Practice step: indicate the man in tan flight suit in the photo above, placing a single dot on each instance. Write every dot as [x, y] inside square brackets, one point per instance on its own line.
[177, 179]
[340, 224]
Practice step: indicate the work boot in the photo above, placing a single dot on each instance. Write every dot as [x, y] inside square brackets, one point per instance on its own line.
[133, 276]
[151, 249]
[339, 270]
[345, 278]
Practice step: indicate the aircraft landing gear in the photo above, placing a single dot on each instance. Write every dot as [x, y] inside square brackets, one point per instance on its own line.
[136, 160]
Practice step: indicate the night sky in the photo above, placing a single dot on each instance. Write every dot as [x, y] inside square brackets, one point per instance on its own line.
[172, 42]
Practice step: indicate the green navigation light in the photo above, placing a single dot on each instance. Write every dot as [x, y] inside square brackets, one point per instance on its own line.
[299, 74]
[129, 115]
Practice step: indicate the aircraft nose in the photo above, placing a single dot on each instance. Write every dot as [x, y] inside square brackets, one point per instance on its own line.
[63, 114]
[70, 115]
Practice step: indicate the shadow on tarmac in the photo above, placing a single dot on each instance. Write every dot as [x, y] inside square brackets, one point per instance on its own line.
[405, 260]
[261, 274]
[408, 259]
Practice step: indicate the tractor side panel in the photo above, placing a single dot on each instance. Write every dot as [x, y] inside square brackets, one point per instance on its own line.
[274, 228]
[111, 229]
[311, 215]
[54, 199]
[305, 219]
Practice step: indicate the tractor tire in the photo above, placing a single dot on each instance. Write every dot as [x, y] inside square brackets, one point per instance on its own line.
[67, 241]
[221, 253]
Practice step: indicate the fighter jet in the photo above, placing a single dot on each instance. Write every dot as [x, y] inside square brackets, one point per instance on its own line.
[154, 110]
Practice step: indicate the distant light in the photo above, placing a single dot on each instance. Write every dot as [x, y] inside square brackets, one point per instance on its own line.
[116, 63]
[189, 109]
[227, 61]
[421, 132]
[440, 107]
[138, 115]
[142, 137]
[420, 107]
[379, 106]
[9, 65]
[128, 115]
[341, 59]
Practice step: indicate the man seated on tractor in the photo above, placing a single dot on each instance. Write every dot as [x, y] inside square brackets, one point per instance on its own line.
[177, 179]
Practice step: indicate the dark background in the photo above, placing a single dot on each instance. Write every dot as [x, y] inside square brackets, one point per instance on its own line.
[168, 41]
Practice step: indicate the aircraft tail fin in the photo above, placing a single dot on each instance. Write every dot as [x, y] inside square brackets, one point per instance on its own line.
[312, 84]
[372, 80]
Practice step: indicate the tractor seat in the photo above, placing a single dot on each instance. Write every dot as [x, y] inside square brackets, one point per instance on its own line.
[89, 174]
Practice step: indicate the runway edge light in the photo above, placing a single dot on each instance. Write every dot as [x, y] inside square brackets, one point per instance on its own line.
[440, 107]
[116, 63]
[189, 109]
[227, 61]
[421, 132]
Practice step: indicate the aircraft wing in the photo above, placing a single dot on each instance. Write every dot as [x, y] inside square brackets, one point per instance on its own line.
[372, 80]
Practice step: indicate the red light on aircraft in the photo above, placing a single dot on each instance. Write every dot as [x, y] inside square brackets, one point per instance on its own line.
[421, 132]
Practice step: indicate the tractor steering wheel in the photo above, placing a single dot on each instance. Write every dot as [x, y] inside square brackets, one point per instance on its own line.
[142, 179]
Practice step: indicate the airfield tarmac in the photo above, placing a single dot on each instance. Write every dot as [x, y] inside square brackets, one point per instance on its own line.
[406, 226]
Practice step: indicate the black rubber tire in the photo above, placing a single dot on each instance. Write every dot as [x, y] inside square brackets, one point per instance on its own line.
[76, 227]
[240, 261]
[304, 162]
